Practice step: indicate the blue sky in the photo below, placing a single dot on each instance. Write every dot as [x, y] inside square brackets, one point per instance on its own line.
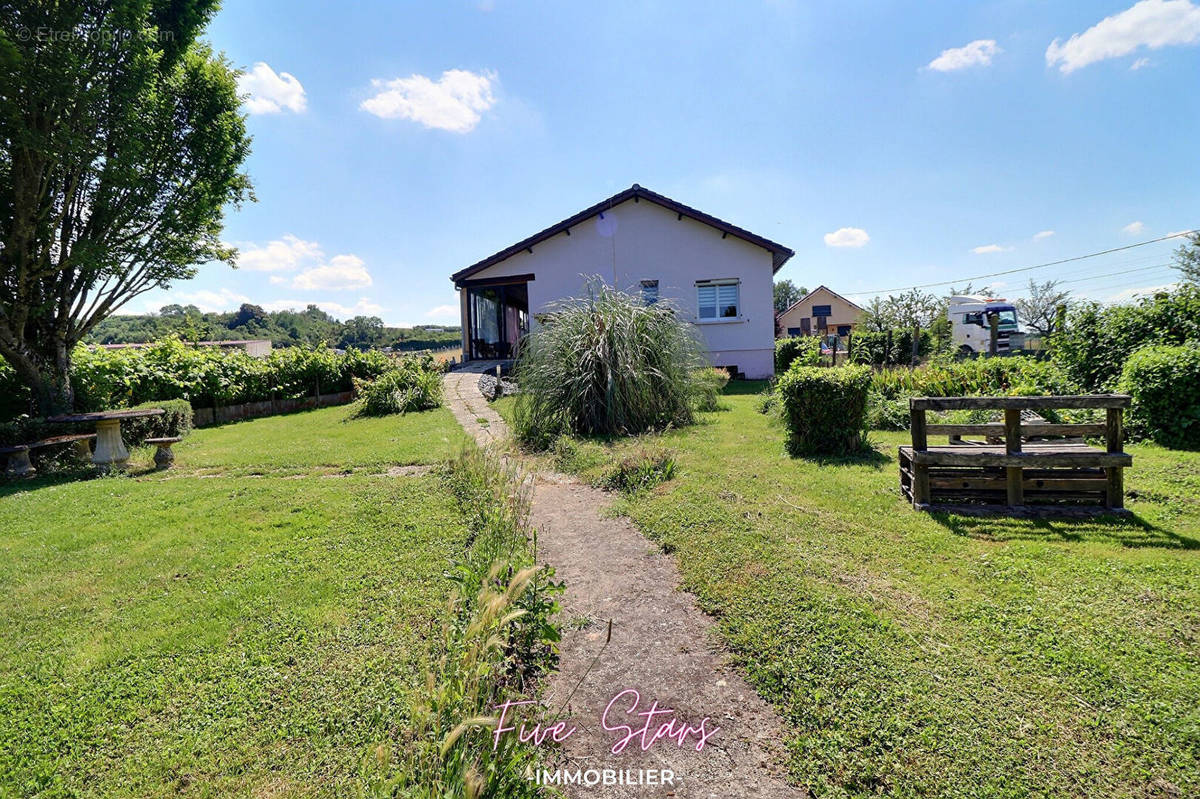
[889, 144]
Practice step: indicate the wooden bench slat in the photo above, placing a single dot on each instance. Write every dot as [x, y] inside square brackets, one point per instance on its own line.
[997, 429]
[974, 457]
[1019, 403]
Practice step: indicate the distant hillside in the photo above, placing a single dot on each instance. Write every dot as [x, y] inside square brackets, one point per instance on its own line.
[283, 328]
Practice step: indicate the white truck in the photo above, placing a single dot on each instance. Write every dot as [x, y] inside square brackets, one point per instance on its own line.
[971, 329]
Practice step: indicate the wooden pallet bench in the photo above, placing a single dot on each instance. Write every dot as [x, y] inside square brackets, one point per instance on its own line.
[1028, 471]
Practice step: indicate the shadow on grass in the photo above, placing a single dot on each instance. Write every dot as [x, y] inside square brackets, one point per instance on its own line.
[743, 387]
[868, 457]
[1127, 530]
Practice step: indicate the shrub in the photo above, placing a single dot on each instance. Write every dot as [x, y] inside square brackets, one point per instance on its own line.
[888, 347]
[803, 349]
[825, 409]
[176, 421]
[945, 378]
[605, 364]
[640, 471]
[708, 385]
[415, 384]
[1165, 385]
[1097, 340]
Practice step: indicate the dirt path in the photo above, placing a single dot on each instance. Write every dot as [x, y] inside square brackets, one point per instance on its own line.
[662, 646]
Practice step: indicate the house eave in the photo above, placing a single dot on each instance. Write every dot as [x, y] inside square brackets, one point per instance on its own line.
[779, 253]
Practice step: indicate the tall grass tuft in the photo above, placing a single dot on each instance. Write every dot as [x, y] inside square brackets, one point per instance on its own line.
[606, 364]
[497, 639]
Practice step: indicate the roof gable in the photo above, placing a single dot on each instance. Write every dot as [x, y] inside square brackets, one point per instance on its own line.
[779, 253]
[813, 293]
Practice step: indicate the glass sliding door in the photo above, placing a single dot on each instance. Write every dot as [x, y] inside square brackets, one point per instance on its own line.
[499, 318]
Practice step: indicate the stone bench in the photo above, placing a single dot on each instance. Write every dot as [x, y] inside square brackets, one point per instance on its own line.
[164, 456]
[19, 464]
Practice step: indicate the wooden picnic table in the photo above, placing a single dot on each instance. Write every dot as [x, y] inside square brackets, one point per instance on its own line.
[110, 448]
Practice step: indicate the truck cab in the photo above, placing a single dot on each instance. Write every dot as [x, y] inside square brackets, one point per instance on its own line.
[971, 329]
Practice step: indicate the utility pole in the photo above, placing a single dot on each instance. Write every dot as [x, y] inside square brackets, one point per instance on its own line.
[994, 338]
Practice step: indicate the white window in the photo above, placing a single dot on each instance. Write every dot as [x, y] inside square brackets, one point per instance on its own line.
[718, 299]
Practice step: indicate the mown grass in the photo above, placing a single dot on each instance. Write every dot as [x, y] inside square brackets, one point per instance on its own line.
[329, 439]
[224, 633]
[934, 655]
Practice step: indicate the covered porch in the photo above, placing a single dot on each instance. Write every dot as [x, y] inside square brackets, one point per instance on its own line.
[495, 316]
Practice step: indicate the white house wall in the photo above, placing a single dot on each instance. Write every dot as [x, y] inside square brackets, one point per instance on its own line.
[641, 240]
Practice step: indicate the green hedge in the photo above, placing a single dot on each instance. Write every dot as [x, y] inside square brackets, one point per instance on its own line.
[209, 376]
[1097, 339]
[176, 421]
[825, 409]
[805, 350]
[1165, 385]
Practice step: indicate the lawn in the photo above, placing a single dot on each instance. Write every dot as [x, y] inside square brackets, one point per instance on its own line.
[329, 439]
[209, 631]
[915, 654]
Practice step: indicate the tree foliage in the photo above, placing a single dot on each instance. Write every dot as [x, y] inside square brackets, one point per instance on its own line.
[122, 144]
[787, 294]
[1040, 309]
[1187, 258]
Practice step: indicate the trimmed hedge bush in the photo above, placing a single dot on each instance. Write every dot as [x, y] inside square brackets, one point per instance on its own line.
[805, 350]
[1165, 385]
[825, 409]
[177, 421]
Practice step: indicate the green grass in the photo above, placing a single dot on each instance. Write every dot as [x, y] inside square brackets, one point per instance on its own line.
[918, 655]
[328, 439]
[223, 633]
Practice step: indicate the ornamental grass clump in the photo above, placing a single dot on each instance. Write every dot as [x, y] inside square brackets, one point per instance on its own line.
[606, 364]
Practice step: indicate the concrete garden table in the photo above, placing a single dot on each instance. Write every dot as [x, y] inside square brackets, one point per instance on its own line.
[110, 448]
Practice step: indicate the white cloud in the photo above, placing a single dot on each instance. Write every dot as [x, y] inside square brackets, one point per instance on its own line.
[1139, 63]
[454, 102]
[847, 237]
[1045, 234]
[1144, 291]
[343, 272]
[443, 312]
[978, 53]
[1134, 228]
[270, 93]
[280, 255]
[364, 307]
[1149, 23]
[989, 248]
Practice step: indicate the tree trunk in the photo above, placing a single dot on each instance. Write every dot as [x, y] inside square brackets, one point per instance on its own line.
[49, 378]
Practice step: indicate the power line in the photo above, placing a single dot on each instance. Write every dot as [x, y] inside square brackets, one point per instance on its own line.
[1026, 268]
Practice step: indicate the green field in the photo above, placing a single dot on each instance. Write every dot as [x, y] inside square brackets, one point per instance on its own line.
[924, 655]
[248, 623]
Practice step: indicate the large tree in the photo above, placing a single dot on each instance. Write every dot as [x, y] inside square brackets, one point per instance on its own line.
[787, 294]
[1187, 258]
[1040, 309]
[122, 143]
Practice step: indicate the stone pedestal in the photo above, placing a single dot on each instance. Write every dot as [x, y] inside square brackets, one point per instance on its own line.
[110, 449]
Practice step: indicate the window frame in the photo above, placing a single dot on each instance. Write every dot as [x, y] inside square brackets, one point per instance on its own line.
[716, 284]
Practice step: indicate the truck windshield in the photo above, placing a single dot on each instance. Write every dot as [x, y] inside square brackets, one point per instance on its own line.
[1008, 320]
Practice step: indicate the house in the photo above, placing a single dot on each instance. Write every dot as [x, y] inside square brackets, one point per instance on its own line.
[821, 311]
[718, 275]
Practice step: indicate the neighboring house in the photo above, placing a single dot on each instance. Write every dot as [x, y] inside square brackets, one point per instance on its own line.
[819, 312]
[719, 276]
[256, 348]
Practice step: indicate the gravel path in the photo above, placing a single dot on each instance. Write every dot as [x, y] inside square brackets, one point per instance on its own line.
[662, 646]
